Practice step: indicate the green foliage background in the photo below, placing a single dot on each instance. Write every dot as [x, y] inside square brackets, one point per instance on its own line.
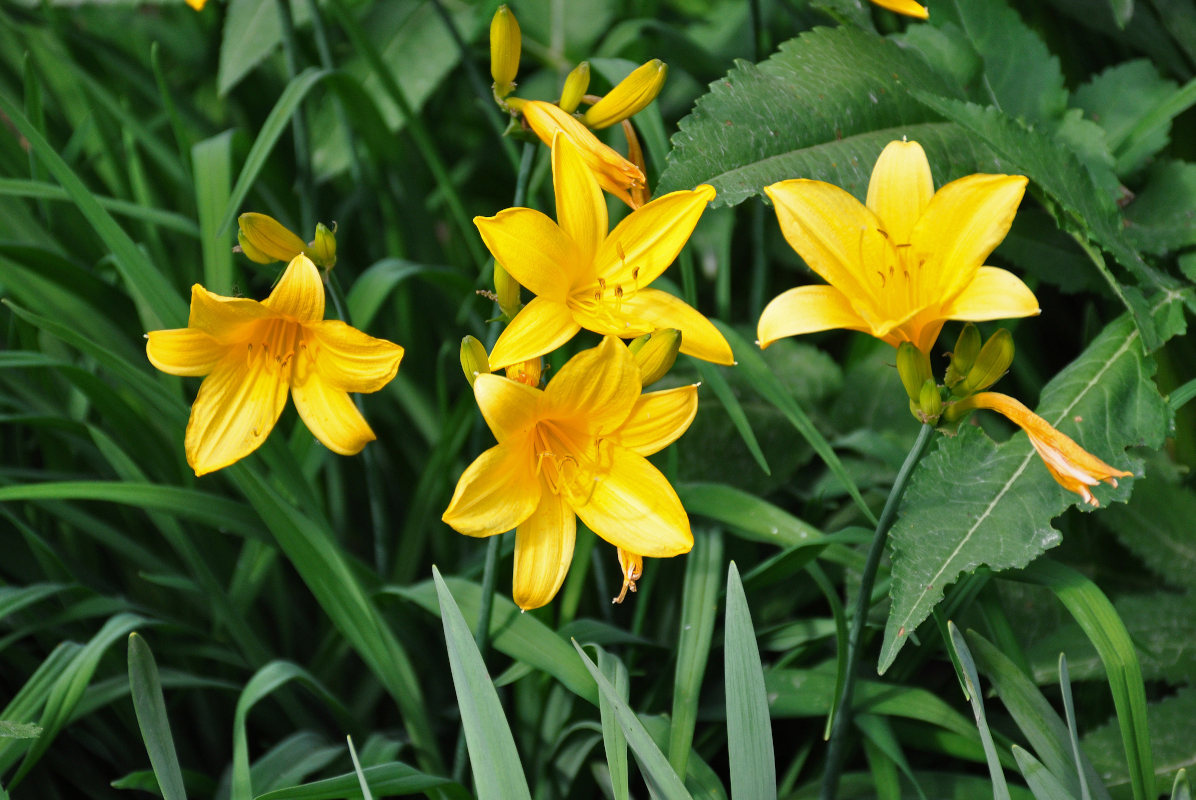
[291, 600]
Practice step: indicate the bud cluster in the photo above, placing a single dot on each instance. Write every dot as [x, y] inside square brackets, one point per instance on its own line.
[975, 366]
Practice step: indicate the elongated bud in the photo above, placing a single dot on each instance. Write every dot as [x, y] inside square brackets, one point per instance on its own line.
[930, 402]
[474, 361]
[992, 362]
[914, 368]
[630, 96]
[655, 353]
[575, 87]
[967, 347]
[632, 567]
[505, 43]
[267, 239]
[528, 372]
[322, 249]
[507, 290]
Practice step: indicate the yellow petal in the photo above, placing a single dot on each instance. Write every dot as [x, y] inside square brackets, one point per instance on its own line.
[496, 492]
[350, 360]
[994, 294]
[900, 188]
[183, 351]
[807, 309]
[635, 508]
[699, 338]
[228, 320]
[197, 4]
[237, 406]
[648, 239]
[657, 419]
[508, 406]
[834, 233]
[965, 221]
[533, 249]
[542, 326]
[630, 96]
[543, 552]
[331, 416]
[596, 389]
[299, 293]
[580, 206]
[907, 7]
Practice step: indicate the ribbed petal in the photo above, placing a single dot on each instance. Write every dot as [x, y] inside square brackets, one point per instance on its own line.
[994, 294]
[350, 360]
[533, 249]
[699, 338]
[635, 508]
[184, 351]
[331, 416]
[542, 326]
[595, 390]
[900, 188]
[543, 552]
[649, 238]
[228, 320]
[965, 221]
[299, 293]
[237, 406]
[496, 492]
[508, 406]
[657, 419]
[580, 206]
[907, 7]
[835, 234]
[807, 309]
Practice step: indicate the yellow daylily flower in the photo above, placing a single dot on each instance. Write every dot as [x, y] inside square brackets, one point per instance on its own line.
[906, 7]
[586, 277]
[904, 263]
[1072, 466]
[575, 449]
[252, 353]
[615, 174]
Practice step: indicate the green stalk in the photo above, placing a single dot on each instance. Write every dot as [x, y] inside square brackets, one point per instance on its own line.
[835, 751]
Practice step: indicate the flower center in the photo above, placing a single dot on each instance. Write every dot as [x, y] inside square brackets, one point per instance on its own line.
[566, 460]
[605, 301]
[280, 346]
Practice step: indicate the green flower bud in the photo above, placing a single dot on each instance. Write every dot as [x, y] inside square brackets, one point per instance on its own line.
[322, 249]
[930, 402]
[655, 353]
[505, 43]
[575, 87]
[267, 239]
[474, 360]
[914, 368]
[967, 348]
[994, 359]
[507, 290]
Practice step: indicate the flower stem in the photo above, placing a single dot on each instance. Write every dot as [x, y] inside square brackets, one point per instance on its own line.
[842, 721]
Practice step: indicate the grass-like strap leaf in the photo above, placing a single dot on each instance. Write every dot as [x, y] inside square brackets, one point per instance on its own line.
[749, 730]
[613, 740]
[497, 769]
[212, 159]
[973, 502]
[663, 782]
[1096, 615]
[39, 190]
[722, 390]
[372, 287]
[972, 682]
[1045, 784]
[395, 778]
[699, 605]
[146, 689]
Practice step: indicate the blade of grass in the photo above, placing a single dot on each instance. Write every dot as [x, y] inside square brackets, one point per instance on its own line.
[1078, 758]
[613, 740]
[722, 390]
[972, 680]
[39, 190]
[213, 163]
[749, 730]
[146, 689]
[1042, 781]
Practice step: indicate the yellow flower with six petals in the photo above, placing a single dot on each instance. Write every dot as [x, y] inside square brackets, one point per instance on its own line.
[586, 277]
[253, 353]
[575, 449]
[905, 262]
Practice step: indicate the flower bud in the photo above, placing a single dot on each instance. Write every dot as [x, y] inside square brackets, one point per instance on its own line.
[505, 42]
[322, 250]
[474, 360]
[655, 353]
[994, 359]
[930, 402]
[967, 347]
[527, 372]
[264, 239]
[630, 96]
[506, 289]
[575, 87]
[914, 368]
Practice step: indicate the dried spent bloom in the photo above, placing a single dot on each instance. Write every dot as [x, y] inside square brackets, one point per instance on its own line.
[254, 354]
[905, 262]
[575, 449]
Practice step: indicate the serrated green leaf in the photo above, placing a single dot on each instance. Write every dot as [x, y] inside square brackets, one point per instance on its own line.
[1156, 526]
[822, 107]
[1172, 723]
[749, 730]
[1162, 217]
[975, 503]
[497, 768]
